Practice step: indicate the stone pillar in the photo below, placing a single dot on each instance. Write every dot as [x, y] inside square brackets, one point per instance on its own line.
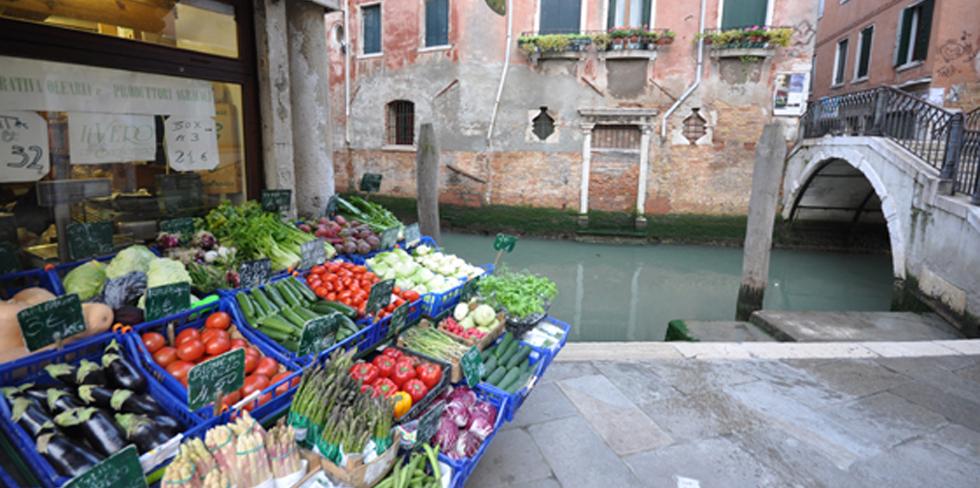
[641, 191]
[427, 182]
[583, 203]
[274, 102]
[770, 155]
[308, 82]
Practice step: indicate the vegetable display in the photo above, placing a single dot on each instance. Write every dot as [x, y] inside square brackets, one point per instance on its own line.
[98, 318]
[471, 321]
[210, 265]
[393, 372]
[372, 214]
[433, 343]
[424, 270]
[348, 237]
[281, 309]
[507, 365]
[465, 423]
[350, 285]
[421, 469]
[521, 294]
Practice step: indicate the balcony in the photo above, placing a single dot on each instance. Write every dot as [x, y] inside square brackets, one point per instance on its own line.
[614, 44]
[754, 43]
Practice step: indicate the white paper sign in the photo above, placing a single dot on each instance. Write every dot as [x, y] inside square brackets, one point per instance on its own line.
[24, 154]
[111, 138]
[29, 84]
[192, 144]
[790, 92]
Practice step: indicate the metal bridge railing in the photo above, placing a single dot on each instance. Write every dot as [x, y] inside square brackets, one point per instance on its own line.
[942, 139]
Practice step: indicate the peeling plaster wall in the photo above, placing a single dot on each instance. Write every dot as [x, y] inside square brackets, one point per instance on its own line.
[455, 88]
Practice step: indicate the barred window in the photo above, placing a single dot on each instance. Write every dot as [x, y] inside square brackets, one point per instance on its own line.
[543, 125]
[695, 127]
[400, 124]
[616, 137]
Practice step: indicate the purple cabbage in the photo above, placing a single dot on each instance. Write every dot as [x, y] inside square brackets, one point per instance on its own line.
[463, 395]
[168, 241]
[458, 413]
[467, 445]
[484, 409]
[481, 426]
[447, 435]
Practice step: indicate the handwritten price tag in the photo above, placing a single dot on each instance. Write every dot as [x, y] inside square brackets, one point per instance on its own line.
[43, 323]
[215, 377]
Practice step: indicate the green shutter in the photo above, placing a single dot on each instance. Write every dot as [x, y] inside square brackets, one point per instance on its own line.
[923, 30]
[560, 16]
[646, 13]
[611, 21]
[436, 22]
[744, 13]
[904, 33]
[864, 57]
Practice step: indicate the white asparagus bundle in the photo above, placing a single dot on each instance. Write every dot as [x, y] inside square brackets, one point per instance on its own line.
[217, 479]
[251, 459]
[281, 447]
[244, 424]
[180, 474]
[198, 454]
[221, 443]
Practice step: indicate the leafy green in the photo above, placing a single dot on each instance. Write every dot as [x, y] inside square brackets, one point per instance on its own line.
[86, 280]
[376, 216]
[133, 258]
[164, 271]
[521, 294]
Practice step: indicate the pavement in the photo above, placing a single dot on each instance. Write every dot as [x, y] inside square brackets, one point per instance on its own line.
[853, 326]
[689, 415]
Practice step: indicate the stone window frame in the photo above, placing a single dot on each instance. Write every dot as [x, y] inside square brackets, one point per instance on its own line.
[710, 117]
[770, 5]
[840, 63]
[449, 29]
[392, 118]
[858, 51]
[530, 136]
[360, 19]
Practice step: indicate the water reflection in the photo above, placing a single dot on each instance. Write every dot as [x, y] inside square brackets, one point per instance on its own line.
[617, 293]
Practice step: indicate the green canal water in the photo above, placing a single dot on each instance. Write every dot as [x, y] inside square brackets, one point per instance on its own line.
[629, 293]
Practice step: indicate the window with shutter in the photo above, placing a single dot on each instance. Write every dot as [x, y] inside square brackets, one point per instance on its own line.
[840, 62]
[864, 52]
[629, 13]
[371, 20]
[436, 23]
[744, 13]
[560, 16]
[914, 29]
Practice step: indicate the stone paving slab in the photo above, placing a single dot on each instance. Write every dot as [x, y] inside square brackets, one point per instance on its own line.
[579, 457]
[885, 419]
[549, 403]
[511, 458]
[919, 464]
[715, 462]
[852, 326]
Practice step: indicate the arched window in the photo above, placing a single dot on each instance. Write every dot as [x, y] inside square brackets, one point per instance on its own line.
[400, 124]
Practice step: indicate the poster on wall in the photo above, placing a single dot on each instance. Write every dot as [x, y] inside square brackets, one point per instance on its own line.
[30, 84]
[790, 93]
[24, 152]
[111, 138]
[192, 144]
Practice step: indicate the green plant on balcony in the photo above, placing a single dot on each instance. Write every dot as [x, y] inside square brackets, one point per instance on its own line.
[553, 43]
[579, 42]
[748, 37]
[666, 37]
[601, 41]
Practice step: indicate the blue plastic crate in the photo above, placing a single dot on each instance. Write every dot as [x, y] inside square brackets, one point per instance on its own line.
[30, 369]
[463, 468]
[6, 479]
[379, 328]
[11, 283]
[513, 401]
[195, 318]
[554, 350]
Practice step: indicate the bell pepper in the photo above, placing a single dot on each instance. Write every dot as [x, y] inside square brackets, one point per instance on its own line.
[403, 403]
[416, 389]
[384, 387]
[429, 373]
[385, 365]
[404, 371]
[365, 372]
[392, 353]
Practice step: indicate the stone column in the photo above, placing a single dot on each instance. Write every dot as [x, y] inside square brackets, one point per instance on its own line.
[641, 191]
[311, 116]
[274, 103]
[583, 204]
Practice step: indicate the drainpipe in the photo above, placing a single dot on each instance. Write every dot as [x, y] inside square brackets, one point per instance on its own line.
[503, 71]
[346, 75]
[697, 77]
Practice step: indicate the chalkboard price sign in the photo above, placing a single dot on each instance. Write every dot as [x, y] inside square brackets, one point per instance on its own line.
[504, 242]
[9, 260]
[121, 470]
[183, 226]
[399, 317]
[412, 235]
[429, 422]
[43, 323]
[166, 300]
[318, 334]
[380, 296]
[277, 200]
[371, 183]
[215, 378]
[472, 366]
[469, 289]
[254, 273]
[89, 239]
[331, 209]
[312, 253]
[389, 237]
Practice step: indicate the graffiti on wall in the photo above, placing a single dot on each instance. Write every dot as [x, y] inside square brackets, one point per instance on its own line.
[955, 53]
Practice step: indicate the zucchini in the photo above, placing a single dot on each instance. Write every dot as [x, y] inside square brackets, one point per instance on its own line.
[509, 378]
[277, 323]
[327, 306]
[305, 291]
[518, 383]
[506, 355]
[248, 309]
[521, 354]
[496, 375]
[273, 294]
[508, 338]
[526, 365]
[306, 314]
[273, 334]
[491, 363]
[262, 302]
[288, 293]
[293, 317]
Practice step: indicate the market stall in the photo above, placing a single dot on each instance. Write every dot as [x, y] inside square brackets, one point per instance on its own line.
[341, 350]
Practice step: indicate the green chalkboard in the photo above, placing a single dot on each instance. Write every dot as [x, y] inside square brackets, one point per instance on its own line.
[472, 365]
[166, 300]
[371, 183]
[41, 323]
[389, 237]
[469, 289]
[504, 242]
[9, 258]
[183, 226]
[121, 470]
[89, 239]
[215, 377]
[254, 273]
[312, 253]
[399, 317]
[278, 201]
[412, 235]
[380, 296]
[429, 422]
[318, 334]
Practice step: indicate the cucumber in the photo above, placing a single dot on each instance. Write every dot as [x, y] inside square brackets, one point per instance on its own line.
[517, 357]
[518, 383]
[505, 342]
[288, 293]
[293, 317]
[491, 363]
[526, 365]
[262, 302]
[506, 355]
[304, 291]
[248, 309]
[279, 324]
[496, 375]
[273, 294]
[508, 378]
[305, 314]
[327, 306]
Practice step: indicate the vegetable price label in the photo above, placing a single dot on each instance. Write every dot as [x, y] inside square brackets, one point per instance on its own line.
[254, 273]
[121, 470]
[429, 422]
[43, 323]
[277, 201]
[183, 226]
[215, 377]
[412, 235]
[166, 300]
[380, 296]
[472, 366]
[331, 209]
[389, 237]
[9, 260]
[504, 242]
[469, 289]
[89, 239]
[23, 147]
[371, 183]
[398, 319]
[191, 143]
[318, 334]
[312, 253]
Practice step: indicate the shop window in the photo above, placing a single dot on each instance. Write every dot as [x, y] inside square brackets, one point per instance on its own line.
[864, 52]
[543, 125]
[915, 26]
[744, 13]
[371, 20]
[629, 13]
[840, 62]
[695, 127]
[436, 23]
[560, 16]
[400, 126]
[623, 137]
[206, 26]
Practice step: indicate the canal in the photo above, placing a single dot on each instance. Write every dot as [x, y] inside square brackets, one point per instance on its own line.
[629, 293]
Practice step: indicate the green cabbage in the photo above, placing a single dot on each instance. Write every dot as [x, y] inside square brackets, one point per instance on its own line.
[163, 271]
[86, 280]
[133, 258]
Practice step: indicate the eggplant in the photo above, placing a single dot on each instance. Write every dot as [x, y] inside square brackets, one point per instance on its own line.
[59, 401]
[27, 390]
[98, 428]
[168, 424]
[122, 374]
[89, 373]
[67, 457]
[30, 417]
[121, 400]
[142, 431]
[63, 373]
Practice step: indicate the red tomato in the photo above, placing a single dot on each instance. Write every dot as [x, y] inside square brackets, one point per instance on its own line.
[331, 296]
[218, 320]
[210, 334]
[253, 383]
[310, 278]
[179, 369]
[321, 292]
[318, 269]
[165, 355]
[267, 367]
[412, 295]
[191, 350]
[238, 344]
[186, 335]
[251, 361]
[429, 373]
[231, 399]
[384, 364]
[217, 346]
[153, 341]
[283, 388]
[403, 372]
[416, 388]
